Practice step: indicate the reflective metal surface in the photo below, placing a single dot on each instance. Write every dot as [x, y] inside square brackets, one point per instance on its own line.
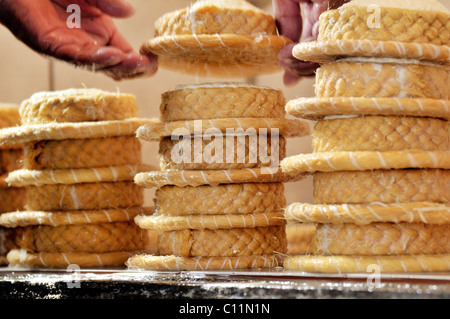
[264, 284]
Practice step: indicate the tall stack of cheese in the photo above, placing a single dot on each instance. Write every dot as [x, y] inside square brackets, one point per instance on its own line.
[381, 141]
[220, 193]
[11, 198]
[80, 157]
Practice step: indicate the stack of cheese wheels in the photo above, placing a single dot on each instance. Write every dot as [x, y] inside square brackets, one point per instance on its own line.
[80, 157]
[381, 141]
[219, 38]
[11, 198]
[220, 192]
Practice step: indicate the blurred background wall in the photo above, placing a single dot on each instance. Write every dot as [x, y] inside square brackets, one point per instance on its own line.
[24, 72]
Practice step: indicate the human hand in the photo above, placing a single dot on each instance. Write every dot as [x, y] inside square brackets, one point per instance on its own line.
[293, 26]
[96, 45]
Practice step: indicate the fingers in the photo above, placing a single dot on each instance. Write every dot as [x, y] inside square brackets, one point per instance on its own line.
[114, 8]
[107, 51]
[131, 64]
[134, 65]
[80, 49]
[288, 17]
[311, 26]
[109, 60]
[294, 68]
[289, 62]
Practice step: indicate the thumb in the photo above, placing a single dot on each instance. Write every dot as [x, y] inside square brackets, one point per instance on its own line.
[113, 8]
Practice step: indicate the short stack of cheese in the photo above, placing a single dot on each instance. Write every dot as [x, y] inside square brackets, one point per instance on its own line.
[80, 157]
